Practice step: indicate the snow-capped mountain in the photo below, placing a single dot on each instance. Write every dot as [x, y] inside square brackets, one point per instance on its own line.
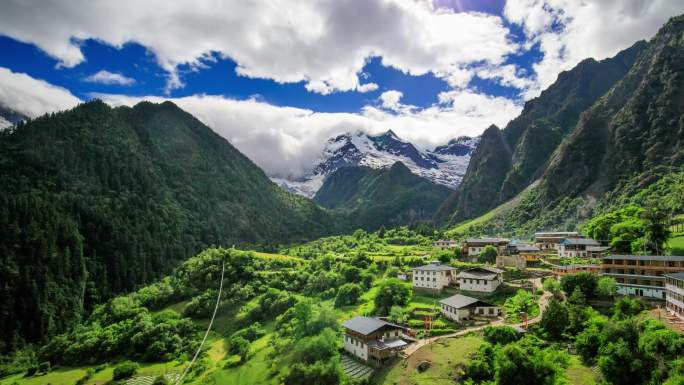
[444, 164]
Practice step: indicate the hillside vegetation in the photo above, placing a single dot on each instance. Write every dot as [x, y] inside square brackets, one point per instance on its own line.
[96, 201]
[381, 197]
[627, 148]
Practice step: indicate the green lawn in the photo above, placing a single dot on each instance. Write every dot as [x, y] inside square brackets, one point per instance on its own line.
[676, 244]
[281, 257]
[69, 376]
[255, 371]
[443, 356]
[578, 374]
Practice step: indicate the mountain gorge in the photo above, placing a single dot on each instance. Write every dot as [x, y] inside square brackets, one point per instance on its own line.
[98, 200]
[508, 160]
[444, 165]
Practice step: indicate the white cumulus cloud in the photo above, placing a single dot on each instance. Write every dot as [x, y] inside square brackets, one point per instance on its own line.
[324, 43]
[286, 141]
[32, 97]
[106, 77]
[569, 31]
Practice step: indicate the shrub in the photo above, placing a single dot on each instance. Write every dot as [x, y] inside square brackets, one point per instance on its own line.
[392, 292]
[44, 367]
[348, 294]
[502, 335]
[160, 380]
[125, 370]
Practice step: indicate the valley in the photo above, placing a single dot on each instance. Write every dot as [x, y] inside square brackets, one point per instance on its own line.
[264, 235]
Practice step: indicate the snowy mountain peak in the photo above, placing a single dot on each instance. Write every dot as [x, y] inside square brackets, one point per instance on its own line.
[445, 164]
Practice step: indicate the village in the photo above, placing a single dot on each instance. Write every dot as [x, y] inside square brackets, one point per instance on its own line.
[469, 296]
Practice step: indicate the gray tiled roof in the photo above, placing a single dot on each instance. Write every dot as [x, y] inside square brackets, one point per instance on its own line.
[367, 325]
[556, 234]
[487, 240]
[484, 272]
[677, 276]
[527, 248]
[434, 267]
[460, 301]
[647, 257]
[580, 241]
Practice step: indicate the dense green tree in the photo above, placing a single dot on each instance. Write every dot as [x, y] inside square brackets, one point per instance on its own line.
[348, 294]
[656, 228]
[555, 319]
[586, 282]
[125, 370]
[488, 255]
[391, 292]
[500, 335]
[606, 286]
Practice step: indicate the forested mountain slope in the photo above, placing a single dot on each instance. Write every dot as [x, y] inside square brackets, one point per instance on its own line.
[504, 164]
[95, 201]
[375, 197]
[630, 139]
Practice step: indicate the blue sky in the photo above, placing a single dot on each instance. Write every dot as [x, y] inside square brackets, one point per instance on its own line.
[217, 75]
[277, 78]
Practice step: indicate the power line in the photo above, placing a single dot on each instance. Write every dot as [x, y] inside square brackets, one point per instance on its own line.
[206, 334]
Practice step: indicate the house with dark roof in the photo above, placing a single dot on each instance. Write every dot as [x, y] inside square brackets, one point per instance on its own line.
[576, 247]
[445, 244]
[551, 240]
[373, 340]
[462, 308]
[641, 275]
[474, 246]
[674, 294]
[483, 279]
[433, 277]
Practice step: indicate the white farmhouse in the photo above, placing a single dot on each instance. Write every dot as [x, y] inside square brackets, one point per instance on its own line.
[482, 279]
[433, 277]
[445, 244]
[373, 340]
[576, 247]
[462, 308]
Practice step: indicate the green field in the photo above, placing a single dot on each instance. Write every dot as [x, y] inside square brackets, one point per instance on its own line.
[69, 376]
[443, 355]
[578, 374]
[676, 244]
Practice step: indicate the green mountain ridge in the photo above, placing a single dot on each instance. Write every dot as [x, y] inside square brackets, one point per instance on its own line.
[630, 139]
[504, 164]
[381, 197]
[98, 200]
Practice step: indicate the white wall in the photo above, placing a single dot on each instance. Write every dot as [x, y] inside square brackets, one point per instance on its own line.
[356, 347]
[647, 292]
[478, 284]
[423, 279]
[455, 314]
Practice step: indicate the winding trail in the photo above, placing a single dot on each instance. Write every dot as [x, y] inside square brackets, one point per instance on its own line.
[543, 302]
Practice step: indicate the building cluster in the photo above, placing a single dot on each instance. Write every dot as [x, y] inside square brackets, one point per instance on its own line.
[659, 278]
[435, 277]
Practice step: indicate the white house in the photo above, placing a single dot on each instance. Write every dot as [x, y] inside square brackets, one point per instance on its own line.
[674, 294]
[550, 240]
[445, 244]
[474, 246]
[373, 340]
[461, 308]
[482, 279]
[576, 247]
[433, 277]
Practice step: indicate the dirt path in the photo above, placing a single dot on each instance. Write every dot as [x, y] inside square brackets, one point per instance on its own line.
[543, 302]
